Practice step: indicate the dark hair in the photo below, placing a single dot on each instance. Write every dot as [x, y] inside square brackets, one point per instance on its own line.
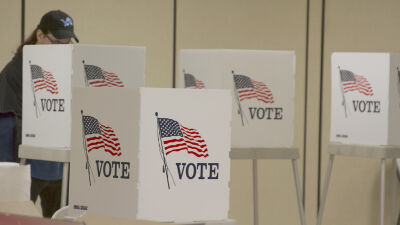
[31, 40]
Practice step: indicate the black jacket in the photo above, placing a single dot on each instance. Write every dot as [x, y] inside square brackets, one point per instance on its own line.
[11, 87]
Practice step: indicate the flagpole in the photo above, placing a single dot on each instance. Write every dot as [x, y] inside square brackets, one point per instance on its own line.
[162, 154]
[344, 99]
[33, 91]
[86, 81]
[88, 167]
[237, 98]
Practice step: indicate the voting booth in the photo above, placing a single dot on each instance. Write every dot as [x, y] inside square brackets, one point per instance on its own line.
[365, 100]
[50, 72]
[365, 108]
[153, 154]
[262, 87]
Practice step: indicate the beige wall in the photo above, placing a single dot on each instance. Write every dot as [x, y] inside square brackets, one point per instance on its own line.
[312, 131]
[237, 24]
[350, 25]
[10, 26]
[121, 22]
[365, 26]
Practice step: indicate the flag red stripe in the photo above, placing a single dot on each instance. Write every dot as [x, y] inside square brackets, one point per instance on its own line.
[110, 142]
[241, 91]
[266, 101]
[255, 95]
[50, 82]
[174, 146]
[357, 88]
[93, 138]
[198, 155]
[113, 153]
[94, 148]
[199, 84]
[198, 149]
[108, 134]
[196, 144]
[37, 88]
[112, 79]
[190, 129]
[100, 144]
[261, 99]
[96, 82]
[193, 137]
[354, 85]
[198, 140]
[192, 133]
[172, 140]
[111, 147]
[188, 151]
[94, 142]
[175, 150]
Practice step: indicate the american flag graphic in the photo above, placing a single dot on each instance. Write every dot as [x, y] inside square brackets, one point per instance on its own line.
[176, 137]
[353, 82]
[99, 136]
[192, 82]
[43, 79]
[97, 77]
[248, 88]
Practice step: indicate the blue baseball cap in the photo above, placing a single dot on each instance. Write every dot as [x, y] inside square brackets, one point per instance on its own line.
[59, 24]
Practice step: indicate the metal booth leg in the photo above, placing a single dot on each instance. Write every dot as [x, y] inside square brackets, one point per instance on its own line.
[383, 171]
[394, 189]
[298, 191]
[255, 191]
[64, 185]
[325, 191]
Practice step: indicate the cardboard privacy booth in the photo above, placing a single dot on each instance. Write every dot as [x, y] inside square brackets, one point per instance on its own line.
[50, 72]
[262, 86]
[153, 154]
[365, 98]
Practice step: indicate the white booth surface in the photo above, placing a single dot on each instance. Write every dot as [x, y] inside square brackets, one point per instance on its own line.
[365, 98]
[50, 72]
[153, 154]
[15, 185]
[262, 86]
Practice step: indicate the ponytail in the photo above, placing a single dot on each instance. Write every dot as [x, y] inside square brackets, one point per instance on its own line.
[31, 40]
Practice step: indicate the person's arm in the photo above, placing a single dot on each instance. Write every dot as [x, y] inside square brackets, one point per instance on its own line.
[11, 86]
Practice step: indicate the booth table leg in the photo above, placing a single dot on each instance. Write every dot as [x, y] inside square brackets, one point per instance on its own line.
[64, 187]
[22, 161]
[325, 191]
[383, 170]
[255, 191]
[394, 189]
[298, 190]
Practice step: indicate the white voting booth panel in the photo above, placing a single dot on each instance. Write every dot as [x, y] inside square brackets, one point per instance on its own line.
[154, 154]
[365, 100]
[49, 73]
[262, 87]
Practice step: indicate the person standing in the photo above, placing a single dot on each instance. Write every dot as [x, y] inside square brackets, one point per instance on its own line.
[55, 27]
